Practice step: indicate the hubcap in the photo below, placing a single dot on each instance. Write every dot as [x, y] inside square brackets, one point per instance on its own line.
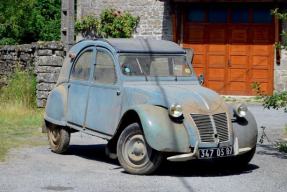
[136, 152]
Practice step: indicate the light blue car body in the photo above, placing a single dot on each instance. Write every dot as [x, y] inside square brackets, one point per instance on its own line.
[102, 109]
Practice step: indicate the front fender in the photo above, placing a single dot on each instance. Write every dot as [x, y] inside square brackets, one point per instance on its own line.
[161, 133]
[245, 129]
[56, 108]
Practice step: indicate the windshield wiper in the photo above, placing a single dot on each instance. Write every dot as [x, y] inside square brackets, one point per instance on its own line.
[141, 69]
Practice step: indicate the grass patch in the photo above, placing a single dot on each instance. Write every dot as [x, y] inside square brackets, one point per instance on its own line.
[20, 119]
[19, 127]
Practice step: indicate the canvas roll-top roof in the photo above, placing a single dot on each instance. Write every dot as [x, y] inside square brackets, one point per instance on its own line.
[144, 46]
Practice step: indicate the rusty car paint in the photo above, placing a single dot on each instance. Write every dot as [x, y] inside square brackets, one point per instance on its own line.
[150, 99]
[56, 109]
[160, 131]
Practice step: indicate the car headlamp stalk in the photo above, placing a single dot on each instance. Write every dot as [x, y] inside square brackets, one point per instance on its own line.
[240, 110]
[175, 110]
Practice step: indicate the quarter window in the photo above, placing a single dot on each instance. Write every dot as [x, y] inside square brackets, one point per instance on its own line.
[82, 68]
[104, 69]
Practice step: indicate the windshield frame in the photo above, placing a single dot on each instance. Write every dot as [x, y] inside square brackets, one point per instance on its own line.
[156, 78]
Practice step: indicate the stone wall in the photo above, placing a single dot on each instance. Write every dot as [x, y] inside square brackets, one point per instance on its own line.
[280, 70]
[45, 58]
[155, 17]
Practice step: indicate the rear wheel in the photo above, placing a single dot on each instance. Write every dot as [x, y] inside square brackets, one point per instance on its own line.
[236, 162]
[59, 138]
[134, 153]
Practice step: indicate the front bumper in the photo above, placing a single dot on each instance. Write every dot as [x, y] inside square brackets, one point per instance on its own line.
[195, 153]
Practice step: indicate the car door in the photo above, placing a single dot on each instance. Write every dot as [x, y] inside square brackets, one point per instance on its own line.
[104, 103]
[79, 87]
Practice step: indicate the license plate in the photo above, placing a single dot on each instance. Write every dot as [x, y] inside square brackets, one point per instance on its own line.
[216, 152]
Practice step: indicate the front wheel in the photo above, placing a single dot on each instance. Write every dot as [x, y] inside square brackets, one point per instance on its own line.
[236, 162]
[134, 153]
[59, 138]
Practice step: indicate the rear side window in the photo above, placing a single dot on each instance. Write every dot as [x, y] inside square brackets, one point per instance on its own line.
[104, 69]
[82, 68]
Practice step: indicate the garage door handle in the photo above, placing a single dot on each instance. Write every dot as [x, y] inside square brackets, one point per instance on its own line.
[229, 63]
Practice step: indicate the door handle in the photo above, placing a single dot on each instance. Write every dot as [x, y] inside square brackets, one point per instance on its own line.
[69, 85]
[118, 93]
[229, 63]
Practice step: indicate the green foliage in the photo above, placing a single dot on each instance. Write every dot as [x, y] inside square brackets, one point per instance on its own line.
[276, 100]
[111, 24]
[26, 21]
[21, 89]
[283, 17]
[46, 20]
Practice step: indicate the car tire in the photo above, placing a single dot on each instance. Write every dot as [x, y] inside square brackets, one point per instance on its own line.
[59, 138]
[134, 153]
[236, 162]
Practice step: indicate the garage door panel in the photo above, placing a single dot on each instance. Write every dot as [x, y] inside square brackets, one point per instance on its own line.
[260, 35]
[260, 62]
[197, 48]
[238, 62]
[238, 49]
[198, 70]
[237, 88]
[260, 49]
[217, 48]
[238, 74]
[259, 75]
[198, 59]
[216, 61]
[216, 74]
[217, 35]
[239, 36]
[217, 86]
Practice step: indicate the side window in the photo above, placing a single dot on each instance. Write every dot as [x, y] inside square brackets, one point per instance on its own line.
[82, 68]
[104, 69]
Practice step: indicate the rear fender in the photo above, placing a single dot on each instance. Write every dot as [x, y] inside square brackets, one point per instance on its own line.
[161, 133]
[56, 108]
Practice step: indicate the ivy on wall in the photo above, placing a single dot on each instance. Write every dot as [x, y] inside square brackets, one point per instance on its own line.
[111, 24]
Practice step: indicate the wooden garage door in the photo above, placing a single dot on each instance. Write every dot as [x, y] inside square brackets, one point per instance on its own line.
[233, 49]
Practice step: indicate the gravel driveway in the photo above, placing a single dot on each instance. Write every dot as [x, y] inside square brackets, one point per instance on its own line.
[86, 168]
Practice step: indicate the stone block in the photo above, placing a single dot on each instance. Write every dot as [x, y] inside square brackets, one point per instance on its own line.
[42, 94]
[41, 103]
[44, 52]
[47, 69]
[47, 77]
[55, 45]
[50, 61]
[60, 53]
[45, 86]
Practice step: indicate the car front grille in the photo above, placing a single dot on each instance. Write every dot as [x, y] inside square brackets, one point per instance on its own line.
[212, 128]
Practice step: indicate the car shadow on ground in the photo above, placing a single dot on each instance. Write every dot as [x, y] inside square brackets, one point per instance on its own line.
[194, 168]
[91, 152]
[271, 151]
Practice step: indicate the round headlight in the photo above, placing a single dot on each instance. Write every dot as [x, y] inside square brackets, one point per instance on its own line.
[240, 110]
[175, 110]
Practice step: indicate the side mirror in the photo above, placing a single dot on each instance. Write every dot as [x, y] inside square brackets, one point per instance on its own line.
[201, 79]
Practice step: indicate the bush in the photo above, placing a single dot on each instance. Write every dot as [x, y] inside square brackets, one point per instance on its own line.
[21, 89]
[111, 24]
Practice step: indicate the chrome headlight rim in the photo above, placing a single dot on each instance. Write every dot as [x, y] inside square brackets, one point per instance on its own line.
[241, 110]
[175, 110]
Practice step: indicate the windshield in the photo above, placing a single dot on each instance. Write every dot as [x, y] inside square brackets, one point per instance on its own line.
[155, 66]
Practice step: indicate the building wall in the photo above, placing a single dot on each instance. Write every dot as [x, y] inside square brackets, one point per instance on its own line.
[45, 58]
[280, 71]
[155, 17]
